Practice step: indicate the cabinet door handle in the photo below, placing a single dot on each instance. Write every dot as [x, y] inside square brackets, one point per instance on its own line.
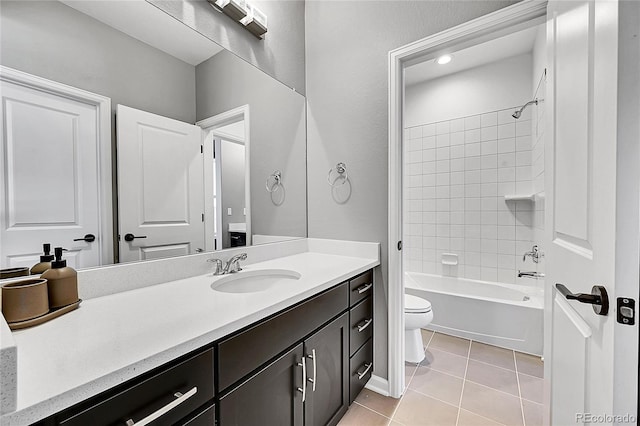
[180, 398]
[364, 288]
[364, 324]
[313, 381]
[303, 389]
[366, 370]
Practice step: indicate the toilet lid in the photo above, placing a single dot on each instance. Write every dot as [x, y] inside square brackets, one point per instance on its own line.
[416, 304]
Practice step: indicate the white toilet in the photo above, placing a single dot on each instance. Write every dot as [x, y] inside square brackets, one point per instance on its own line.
[417, 314]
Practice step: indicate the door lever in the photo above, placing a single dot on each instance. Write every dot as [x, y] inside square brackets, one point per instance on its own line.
[131, 237]
[598, 297]
[89, 238]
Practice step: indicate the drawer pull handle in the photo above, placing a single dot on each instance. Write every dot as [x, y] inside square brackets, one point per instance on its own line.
[303, 389]
[364, 288]
[366, 370]
[313, 381]
[180, 398]
[364, 324]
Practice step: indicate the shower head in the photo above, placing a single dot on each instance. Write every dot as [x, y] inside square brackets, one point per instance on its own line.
[518, 113]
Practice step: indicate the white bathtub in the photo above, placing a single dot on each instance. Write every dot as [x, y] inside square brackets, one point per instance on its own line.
[506, 315]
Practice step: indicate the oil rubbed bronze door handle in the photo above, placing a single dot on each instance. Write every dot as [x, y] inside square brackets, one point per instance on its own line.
[89, 238]
[131, 237]
[598, 297]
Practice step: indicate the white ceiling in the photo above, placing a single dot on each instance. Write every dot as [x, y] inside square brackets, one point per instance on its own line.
[145, 22]
[494, 50]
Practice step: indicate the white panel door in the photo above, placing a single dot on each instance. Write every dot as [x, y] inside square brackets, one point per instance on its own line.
[50, 179]
[581, 200]
[160, 186]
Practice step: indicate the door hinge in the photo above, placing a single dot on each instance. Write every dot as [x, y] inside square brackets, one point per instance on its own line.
[203, 217]
[399, 245]
[201, 149]
[214, 149]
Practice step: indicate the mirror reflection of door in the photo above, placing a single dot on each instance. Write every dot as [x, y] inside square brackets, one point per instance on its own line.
[54, 184]
[160, 186]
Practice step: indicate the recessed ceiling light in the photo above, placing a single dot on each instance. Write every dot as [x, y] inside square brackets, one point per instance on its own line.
[444, 59]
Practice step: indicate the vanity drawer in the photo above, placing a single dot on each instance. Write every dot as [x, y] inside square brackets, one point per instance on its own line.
[239, 355]
[360, 287]
[192, 378]
[361, 319]
[361, 368]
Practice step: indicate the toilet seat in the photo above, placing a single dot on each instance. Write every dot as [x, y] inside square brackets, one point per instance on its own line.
[416, 305]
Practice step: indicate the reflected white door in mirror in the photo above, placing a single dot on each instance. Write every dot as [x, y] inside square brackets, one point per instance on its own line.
[55, 165]
[160, 186]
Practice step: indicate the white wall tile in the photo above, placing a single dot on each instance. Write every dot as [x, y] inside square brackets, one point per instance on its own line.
[472, 176]
[457, 165]
[489, 190]
[415, 132]
[443, 140]
[442, 153]
[428, 142]
[457, 125]
[506, 131]
[457, 138]
[472, 136]
[489, 133]
[505, 116]
[457, 191]
[472, 122]
[507, 159]
[489, 274]
[489, 119]
[457, 151]
[506, 145]
[523, 128]
[443, 127]
[444, 177]
[523, 158]
[443, 166]
[473, 190]
[472, 149]
[523, 143]
[428, 130]
[489, 161]
[488, 175]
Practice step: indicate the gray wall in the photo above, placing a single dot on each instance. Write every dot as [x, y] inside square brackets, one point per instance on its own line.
[232, 182]
[280, 54]
[346, 72]
[54, 41]
[277, 137]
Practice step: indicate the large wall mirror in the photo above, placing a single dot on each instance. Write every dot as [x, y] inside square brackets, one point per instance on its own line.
[128, 136]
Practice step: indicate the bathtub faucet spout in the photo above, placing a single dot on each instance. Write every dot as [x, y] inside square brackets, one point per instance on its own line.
[530, 274]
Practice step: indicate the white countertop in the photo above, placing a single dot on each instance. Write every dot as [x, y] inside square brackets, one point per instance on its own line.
[114, 338]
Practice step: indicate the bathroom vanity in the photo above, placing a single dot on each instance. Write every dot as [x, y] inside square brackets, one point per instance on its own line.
[296, 353]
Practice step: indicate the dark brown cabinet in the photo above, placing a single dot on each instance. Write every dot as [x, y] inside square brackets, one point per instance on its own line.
[327, 357]
[270, 397]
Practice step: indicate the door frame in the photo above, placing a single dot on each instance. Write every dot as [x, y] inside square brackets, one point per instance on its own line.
[102, 105]
[209, 126]
[477, 31]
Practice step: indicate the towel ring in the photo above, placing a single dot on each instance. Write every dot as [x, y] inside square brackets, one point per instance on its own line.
[277, 178]
[341, 169]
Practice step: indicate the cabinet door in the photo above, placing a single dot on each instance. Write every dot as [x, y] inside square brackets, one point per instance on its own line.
[270, 397]
[328, 402]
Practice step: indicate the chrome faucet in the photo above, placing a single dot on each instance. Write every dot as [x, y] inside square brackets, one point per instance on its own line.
[535, 254]
[232, 265]
[531, 274]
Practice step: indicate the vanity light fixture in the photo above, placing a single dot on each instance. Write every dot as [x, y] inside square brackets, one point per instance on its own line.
[246, 14]
[444, 59]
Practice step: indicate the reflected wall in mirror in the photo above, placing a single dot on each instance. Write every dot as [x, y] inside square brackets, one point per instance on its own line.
[59, 153]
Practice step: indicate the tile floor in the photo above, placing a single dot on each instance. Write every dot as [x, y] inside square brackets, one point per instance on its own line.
[461, 383]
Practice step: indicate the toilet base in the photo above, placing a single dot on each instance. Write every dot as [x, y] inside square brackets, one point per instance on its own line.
[413, 346]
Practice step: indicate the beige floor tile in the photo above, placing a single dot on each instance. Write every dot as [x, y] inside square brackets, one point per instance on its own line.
[445, 362]
[529, 364]
[452, 344]
[531, 388]
[439, 385]
[419, 410]
[494, 377]
[426, 336]
[409, 370]
[384, 405]
[532, 413]
[358, 415]
[492, 404]
[467, 418]
[492, 355]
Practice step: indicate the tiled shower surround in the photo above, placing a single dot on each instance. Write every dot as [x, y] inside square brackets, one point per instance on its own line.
[456, 174]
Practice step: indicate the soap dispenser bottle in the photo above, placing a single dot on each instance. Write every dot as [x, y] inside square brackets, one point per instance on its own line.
[45, 260]
[62, 282]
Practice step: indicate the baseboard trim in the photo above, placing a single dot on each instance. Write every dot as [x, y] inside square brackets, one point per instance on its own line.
[378, 385]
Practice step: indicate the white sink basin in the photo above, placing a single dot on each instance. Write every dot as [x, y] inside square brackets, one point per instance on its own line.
[254, 281]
